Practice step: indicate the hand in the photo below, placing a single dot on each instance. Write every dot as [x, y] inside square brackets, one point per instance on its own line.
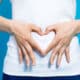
[64, 33]
[26, 43]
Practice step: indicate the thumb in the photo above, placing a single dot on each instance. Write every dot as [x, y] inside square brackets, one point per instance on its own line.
[49, 29]
[37, 29]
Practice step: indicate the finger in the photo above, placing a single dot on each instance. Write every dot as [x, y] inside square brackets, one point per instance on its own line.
[35, 45]
[59, 58]
[57, 48]
[26, 56]
[23, 50]
[37, 29]
[20, 51]
[53, 43]
[53, 55]
[30, 52]
[50, 28]
[67, 54]
[20, 55]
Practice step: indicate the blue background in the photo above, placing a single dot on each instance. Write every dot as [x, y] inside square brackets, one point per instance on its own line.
[5, 10]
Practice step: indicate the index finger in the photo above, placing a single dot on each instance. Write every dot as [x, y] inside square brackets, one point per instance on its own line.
[52, 45]
[67, 54]
[35, 45]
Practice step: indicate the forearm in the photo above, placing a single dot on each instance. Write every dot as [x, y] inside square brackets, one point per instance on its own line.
[78, 26]
[4, 24]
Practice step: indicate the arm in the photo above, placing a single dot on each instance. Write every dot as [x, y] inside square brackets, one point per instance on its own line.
[24, 39]
[5, 24]
[77, 22]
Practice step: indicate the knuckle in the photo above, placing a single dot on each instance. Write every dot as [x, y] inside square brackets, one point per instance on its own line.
[25, 38]
[28, 37]
[62, 42]
[24, 42]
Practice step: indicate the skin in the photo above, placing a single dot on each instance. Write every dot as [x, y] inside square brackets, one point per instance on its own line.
[22, 33]
[25, 41]
[59, 45]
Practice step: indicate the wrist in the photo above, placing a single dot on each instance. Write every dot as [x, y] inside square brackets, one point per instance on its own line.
[77, 22]
[5, 24]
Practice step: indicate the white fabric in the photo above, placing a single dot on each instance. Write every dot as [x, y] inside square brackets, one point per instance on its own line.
[42, 13]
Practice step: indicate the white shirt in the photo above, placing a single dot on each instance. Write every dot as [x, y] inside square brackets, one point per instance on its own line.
[42, 13]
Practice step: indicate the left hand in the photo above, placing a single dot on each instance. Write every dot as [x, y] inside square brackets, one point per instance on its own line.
[64, 34]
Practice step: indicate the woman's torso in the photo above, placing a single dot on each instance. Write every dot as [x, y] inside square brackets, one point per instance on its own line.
[42, 13]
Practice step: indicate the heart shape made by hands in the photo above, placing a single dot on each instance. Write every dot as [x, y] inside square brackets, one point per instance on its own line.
[43, 41]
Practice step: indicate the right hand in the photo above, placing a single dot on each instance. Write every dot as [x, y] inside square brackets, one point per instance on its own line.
[26, 43]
